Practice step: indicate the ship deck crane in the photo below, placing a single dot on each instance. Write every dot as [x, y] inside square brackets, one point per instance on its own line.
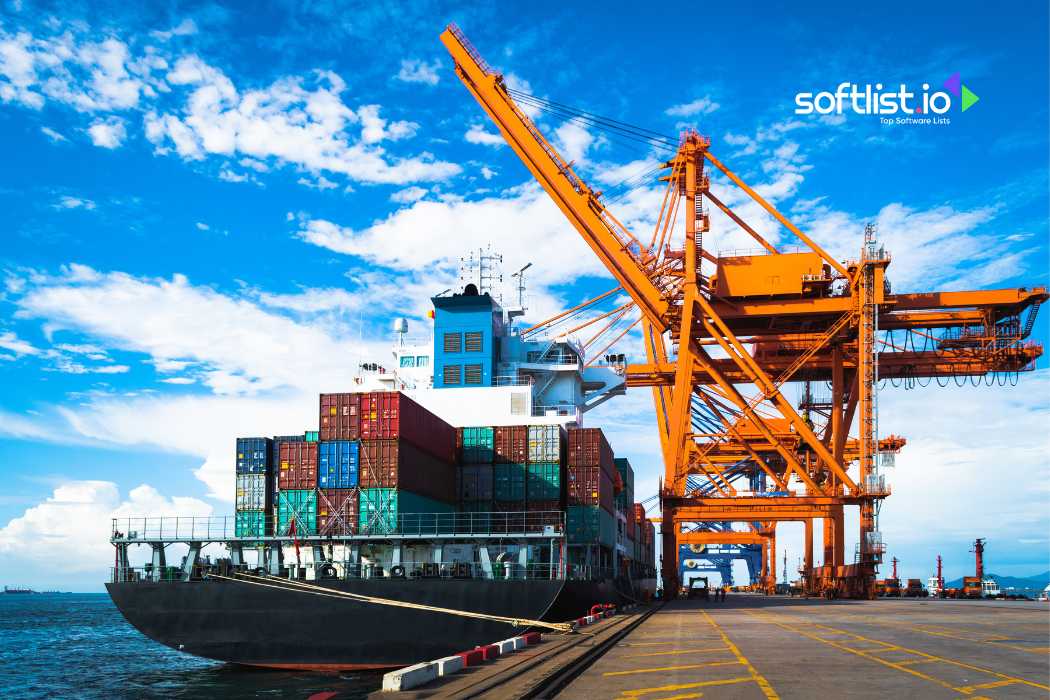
[774, 318]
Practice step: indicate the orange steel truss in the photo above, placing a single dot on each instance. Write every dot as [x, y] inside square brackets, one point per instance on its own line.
[725, 334]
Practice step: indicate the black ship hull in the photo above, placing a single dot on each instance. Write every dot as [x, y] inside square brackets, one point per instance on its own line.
[274, 627]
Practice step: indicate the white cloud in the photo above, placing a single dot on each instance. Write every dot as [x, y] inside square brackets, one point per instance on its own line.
[186, 27]
[67, 202]
[702, 105]
[201, 226]
[179, 380]
[487, 172]
[477, 134]
[72, 527]
[302, 121]
[229, 340]
[11, 342]
[319, 183]
[107, 133]
[408, 195]
[416, 71]
[573, 141]
[52, 134]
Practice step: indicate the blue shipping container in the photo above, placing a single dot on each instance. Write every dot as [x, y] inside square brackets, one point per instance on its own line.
[254, 455]
[337, 464]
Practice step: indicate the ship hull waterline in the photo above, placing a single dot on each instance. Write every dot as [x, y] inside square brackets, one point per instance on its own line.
[260, 626]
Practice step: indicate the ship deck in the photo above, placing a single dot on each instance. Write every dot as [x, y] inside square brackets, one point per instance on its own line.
[754, 646]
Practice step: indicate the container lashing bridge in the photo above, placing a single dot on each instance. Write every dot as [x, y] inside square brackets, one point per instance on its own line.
[725, 334]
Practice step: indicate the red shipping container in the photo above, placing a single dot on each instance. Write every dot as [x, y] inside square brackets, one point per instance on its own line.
[590, 486]
[390, 464]
[337, 511]
[589, 448]
[297, 466]
[339, 416]
[390, 415]
[511, 443]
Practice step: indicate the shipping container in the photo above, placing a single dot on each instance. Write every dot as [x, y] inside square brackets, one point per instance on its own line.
[509, 482]
[625, 497]
[589, 486]
[337, 511]
[277, 441]
[297, 466]
[587, 447]
[254, 455]
[400, 464]
[312, 436]
[537, 506]
[380, 509]
[337, 464]
[253, 492]
[475, 445]
[511, 444]
[543, 481]
[251, 523]
[339, 417]
[393, 416]
[475, 482]
[298, 506]
[590, 524]
[545, 443]
[510, 506]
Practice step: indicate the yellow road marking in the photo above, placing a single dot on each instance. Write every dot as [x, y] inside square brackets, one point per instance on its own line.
[984, 686]
[685, 686]
[899, 665]
[767, 689]
[645, 644]
[682, 697]
[680, 651]
[670, 668]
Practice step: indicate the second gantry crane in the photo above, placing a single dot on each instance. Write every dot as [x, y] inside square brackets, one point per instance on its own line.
[724, 335]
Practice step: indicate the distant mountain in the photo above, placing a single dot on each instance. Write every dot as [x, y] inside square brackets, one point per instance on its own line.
[1037, 582]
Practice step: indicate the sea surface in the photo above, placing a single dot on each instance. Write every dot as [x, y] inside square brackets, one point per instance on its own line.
[77, 645]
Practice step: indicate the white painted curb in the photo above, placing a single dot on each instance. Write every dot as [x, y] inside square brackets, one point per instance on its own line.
[410, 677]
[449, 664]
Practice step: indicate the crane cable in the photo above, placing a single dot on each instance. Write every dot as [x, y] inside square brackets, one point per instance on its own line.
[300, 587]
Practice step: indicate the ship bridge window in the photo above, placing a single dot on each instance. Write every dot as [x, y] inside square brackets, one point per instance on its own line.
[452, 374]
[422, 361]
[473, 373]
[472, 341]
[408, 361]
[453, 342]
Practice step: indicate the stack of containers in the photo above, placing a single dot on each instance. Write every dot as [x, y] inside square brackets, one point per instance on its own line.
[510, 454]
[297, 488]
[474, 475]
[625, 505]
[640, 525]
[337, 482]
[590, 517]
[545, 468]
[254, 487]
[277, 440]
[405, 455]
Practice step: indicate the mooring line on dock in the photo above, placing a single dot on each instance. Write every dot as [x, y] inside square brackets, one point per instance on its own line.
[300, 587]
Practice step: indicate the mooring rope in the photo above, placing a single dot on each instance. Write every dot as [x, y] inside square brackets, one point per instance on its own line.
[298, 586]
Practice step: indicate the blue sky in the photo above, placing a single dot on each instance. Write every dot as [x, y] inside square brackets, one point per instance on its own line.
[210, 213]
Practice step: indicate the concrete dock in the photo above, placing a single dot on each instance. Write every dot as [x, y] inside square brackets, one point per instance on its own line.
[753, 646]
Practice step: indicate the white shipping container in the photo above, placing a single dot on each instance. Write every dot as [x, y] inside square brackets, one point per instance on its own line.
[251, 492]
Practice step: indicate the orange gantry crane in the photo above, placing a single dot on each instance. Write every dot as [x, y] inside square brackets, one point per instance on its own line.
[725, 334]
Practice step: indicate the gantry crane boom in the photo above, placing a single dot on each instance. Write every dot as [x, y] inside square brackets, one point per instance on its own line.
[618, 250]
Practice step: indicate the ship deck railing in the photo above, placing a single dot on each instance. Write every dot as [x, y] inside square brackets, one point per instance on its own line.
[345, 571]
[409, 526]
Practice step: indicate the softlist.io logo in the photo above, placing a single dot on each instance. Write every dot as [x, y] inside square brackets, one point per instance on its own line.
[893, 106]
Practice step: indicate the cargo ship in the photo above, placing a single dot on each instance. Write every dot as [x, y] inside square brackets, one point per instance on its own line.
[447, 501]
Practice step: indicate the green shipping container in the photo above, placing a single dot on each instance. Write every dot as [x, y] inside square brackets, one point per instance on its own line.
[300, 506]
[312, 435]
[477, 446]
[251, 523]
[509, 482]
[590, 524]
[379, 509]
[543, 481]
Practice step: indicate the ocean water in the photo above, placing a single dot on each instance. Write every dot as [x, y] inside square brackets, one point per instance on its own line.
[79, 646]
